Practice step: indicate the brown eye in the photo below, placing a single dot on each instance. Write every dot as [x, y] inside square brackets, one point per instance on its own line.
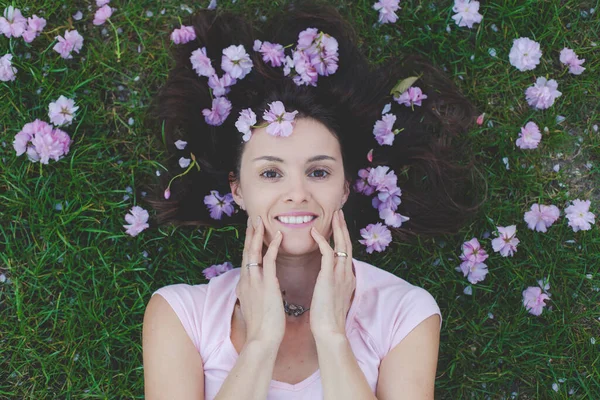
[268, 171]
[322, 176]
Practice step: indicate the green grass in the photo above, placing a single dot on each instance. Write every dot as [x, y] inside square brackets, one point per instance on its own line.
[78, 285]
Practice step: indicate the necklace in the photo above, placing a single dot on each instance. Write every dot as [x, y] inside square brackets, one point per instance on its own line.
[293, 309]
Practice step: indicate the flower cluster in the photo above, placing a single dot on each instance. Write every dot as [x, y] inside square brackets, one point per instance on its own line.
[14, 24]
[41, 142]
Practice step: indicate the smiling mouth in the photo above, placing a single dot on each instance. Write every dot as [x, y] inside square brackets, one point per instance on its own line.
[291, 222]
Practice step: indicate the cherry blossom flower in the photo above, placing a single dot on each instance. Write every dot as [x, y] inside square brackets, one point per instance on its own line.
[217, 204]
[306, 72]
[410, 97]
[180, 144]
[201, 63]
[543, 93]
[472, 251]
[62, 111]
[383, 130]
[13, 24]
[362, 184]
[101, 3]
[529, 137]
[467, 13]
[221, 107]
[392, 218]
[568, 57]
[281, 123]
[183, 35]
[382, 178]
[217, 269]
[525, 54]
[306, 38]
[316, 54]
[387, 10]
[389, 198]
[474, 271]
[46, 142]
[376, 237]
[35, 25]
[579, 215]
[533, 300]
[102, 14]
[221, 86]
[137, 220]
[236, 61]
[7, 71]
[245, 122]
[541, 217]
[72, 41]
[272, 53]
[506, 242]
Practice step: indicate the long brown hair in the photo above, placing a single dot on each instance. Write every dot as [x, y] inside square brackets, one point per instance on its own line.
[440, 188]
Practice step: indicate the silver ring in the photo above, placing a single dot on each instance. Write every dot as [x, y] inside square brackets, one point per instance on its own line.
[340, 254]
[253, 265]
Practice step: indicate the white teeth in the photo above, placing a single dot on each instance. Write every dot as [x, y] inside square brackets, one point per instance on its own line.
[296, 220]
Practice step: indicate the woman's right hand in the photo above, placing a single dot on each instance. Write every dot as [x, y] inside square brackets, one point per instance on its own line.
[258, 289]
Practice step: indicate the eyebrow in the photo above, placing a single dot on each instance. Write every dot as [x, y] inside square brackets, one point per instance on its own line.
[312, 159]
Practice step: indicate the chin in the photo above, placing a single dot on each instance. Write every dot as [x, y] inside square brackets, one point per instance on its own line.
[298, 247]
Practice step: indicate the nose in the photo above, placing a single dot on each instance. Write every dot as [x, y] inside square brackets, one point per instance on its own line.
[297, 189]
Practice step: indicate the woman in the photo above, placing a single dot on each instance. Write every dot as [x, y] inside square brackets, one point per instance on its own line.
[301, 318]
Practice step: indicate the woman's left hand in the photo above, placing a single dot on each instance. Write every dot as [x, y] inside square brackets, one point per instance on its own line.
[335, 283]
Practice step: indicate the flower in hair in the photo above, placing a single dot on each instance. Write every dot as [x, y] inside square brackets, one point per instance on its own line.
[201, 63]
[220, 86]
[183, 35]
[383, 130]
[245, 121]
[272, 53]
[281, 123]
[221, 107]
[236, 61]
[381, 179]
[410, 97]
[362, 185]
[217, 204]
[376, 237]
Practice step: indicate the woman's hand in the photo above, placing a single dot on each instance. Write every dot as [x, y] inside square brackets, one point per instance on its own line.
[258, 289]
[335, 283]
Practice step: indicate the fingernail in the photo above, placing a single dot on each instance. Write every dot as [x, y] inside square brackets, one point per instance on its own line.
[258, 220]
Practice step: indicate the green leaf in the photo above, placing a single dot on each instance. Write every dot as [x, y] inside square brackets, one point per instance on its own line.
[403, 85]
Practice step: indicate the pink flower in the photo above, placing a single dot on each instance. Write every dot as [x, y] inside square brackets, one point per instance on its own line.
[389, 198]
[221, 107]
[474, 271]
[506, 243]
[306, 72]
[217, 269]
[568, 57]
[61, 112]
[467, 13]
[376, 237]
[541, 217]
[183, 35]
[525, 54]
[46, 142]
[529, 137]
[245, 122]
[281, 123]
[533, 300]
[306, 38]
[102, 14]
[220, 86]
[579, 215]
[542, 94]
[383, 130]
[7, 71]
[392, 218]
[72, 41]
[362, 185]
[201, 63]
[413, 95]
[473, 252]
[480, 119]
[137, 220]
[217, 204]
[101, 3]
[236, 61]
[387, 10]
[381, 179]
[13, 23]
[272, 53]
[35, 25]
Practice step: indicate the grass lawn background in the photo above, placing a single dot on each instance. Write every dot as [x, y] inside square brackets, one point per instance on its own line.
[76, 285]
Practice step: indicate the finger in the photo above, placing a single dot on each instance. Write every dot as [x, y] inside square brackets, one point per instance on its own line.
[346, 236]
[255, 254]
[270, 257]
[338, 235]
[326, 250]
[247, 245]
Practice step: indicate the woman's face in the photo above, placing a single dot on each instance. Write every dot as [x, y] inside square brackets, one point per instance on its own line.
[301, 173]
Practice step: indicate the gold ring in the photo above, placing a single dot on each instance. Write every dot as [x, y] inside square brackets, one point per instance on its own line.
[341, 254]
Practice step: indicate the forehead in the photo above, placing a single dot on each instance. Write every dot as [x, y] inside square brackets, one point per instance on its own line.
[308, 138]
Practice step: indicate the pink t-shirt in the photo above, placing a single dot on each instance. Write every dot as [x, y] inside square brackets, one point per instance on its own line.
[384, 310]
